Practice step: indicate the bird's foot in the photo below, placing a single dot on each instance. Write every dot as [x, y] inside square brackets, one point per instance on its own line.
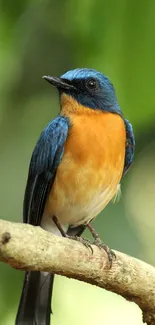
[82, 240]
[111, 255]
[98, 242]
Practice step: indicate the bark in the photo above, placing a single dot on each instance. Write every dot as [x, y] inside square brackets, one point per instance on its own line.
[26, 247]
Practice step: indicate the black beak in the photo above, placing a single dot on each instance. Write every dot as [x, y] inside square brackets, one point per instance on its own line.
[59, 83]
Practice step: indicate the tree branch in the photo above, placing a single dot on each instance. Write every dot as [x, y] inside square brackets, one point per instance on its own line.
[26, 247]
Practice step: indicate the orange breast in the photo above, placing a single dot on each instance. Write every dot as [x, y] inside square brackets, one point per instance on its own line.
[90, 171]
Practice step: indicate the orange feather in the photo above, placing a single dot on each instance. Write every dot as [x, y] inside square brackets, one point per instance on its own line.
[92, 165]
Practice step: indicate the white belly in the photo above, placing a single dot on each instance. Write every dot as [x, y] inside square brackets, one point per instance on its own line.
[76, 214]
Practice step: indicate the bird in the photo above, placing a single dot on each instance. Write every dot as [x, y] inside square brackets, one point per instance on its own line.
[75, 170]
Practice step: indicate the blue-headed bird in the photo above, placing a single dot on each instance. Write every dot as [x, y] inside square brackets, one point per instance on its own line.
[75, 171]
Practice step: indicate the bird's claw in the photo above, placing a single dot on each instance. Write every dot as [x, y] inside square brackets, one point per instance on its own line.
[84, 241]
[111, 255]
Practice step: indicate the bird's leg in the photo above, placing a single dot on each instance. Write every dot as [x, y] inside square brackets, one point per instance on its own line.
[100, 244]
[57, 223]
[84, 241]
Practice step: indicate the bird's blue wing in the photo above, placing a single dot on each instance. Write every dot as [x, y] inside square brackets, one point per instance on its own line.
[130, 146]
[45, 159]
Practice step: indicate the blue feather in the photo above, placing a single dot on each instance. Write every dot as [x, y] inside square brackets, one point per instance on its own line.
[103, 98]
[130, 146]
[45, 159]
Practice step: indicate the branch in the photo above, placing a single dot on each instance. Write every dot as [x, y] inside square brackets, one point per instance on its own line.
[26, 247]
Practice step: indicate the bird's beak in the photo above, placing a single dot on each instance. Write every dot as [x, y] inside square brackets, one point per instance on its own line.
[59, 83]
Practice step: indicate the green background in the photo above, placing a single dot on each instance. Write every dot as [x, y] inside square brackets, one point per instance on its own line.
[50, 37]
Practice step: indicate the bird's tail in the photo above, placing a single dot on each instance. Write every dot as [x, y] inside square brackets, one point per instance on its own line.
[35, 302]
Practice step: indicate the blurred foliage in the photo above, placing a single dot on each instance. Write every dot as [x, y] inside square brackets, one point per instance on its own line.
[49, 37]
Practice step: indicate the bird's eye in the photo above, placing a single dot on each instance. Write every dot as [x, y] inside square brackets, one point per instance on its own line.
[91, 84]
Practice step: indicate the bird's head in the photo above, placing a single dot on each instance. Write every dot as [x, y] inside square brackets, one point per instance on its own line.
[89, 88]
